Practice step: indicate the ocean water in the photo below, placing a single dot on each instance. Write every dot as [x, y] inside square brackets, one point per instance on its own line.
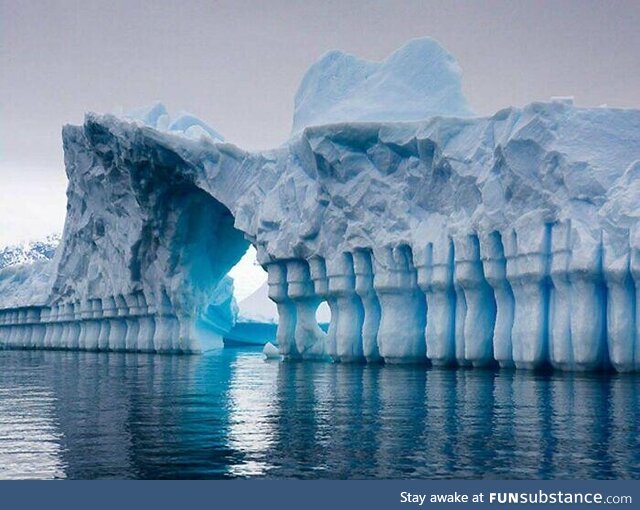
[229, 414]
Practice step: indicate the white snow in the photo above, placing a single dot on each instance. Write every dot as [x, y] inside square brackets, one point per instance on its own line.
[417, 81]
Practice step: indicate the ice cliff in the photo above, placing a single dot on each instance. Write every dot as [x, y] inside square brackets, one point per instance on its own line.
[511, 239]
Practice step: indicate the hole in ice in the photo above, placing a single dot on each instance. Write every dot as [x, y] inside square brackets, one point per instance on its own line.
[247, 275]
[251, 291]
[323, 316]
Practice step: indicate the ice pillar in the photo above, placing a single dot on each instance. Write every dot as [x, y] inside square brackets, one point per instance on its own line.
[495, 272]
[318, 273]
[147, 324]
[402, 304]
[363, 269]
[621, 303]
[310, 339]
[435, 278]
[349, 312]
[165, 333]
[285, 334]
[475, 305]
[527, 254]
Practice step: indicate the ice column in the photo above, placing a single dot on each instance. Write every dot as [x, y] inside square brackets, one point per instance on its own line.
[19, 340]
[318, 272]
[165, 333]
[527, 254]
[495, 272]
[147, 325]
[66, 316]
[107, 312]
[402, 304]
[475, 305]
[588, 302]
[560, 350]
[48, 334]
[635, 272]
[621, 303]
[118, 324]
[577, 333]
[285, 334]
[95, 324]
[31, 320]
[349, 312]
[120, 342]
[310, 339]
[91, 326]
[187, 336]
[435, 277]
[363, 269]
[133, 326]
[55, 337]
[39, 330]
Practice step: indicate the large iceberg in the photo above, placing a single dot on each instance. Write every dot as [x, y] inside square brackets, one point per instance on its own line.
[432, 235]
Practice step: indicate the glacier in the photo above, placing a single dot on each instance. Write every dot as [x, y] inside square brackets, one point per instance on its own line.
[434, 236]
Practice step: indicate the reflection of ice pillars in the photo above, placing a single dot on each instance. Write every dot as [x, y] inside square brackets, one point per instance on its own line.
[530, 427]
[624, 415]
[591, 428]
[34, 452]
[402, 417]
[504, 460]
[475, 405]
[251, 390]
[441, 423]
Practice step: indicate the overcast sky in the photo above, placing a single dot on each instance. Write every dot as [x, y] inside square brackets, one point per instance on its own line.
[236, 64]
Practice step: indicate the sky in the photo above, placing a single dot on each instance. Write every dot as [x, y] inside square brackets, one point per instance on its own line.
[237, 64]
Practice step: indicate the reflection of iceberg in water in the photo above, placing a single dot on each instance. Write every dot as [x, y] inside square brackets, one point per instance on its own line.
[228, 414]
[250, 401]
[114, 409]
[342, 421]
[29, 437]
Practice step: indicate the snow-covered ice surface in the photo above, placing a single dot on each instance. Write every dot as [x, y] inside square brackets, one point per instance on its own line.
[509, 239]
[417, 81]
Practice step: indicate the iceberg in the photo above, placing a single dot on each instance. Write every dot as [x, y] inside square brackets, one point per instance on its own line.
[433, 236]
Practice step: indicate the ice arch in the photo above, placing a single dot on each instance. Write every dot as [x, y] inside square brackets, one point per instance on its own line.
[144, 256]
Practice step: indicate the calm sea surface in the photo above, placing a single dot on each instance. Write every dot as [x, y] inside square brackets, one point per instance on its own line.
[230, 414]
